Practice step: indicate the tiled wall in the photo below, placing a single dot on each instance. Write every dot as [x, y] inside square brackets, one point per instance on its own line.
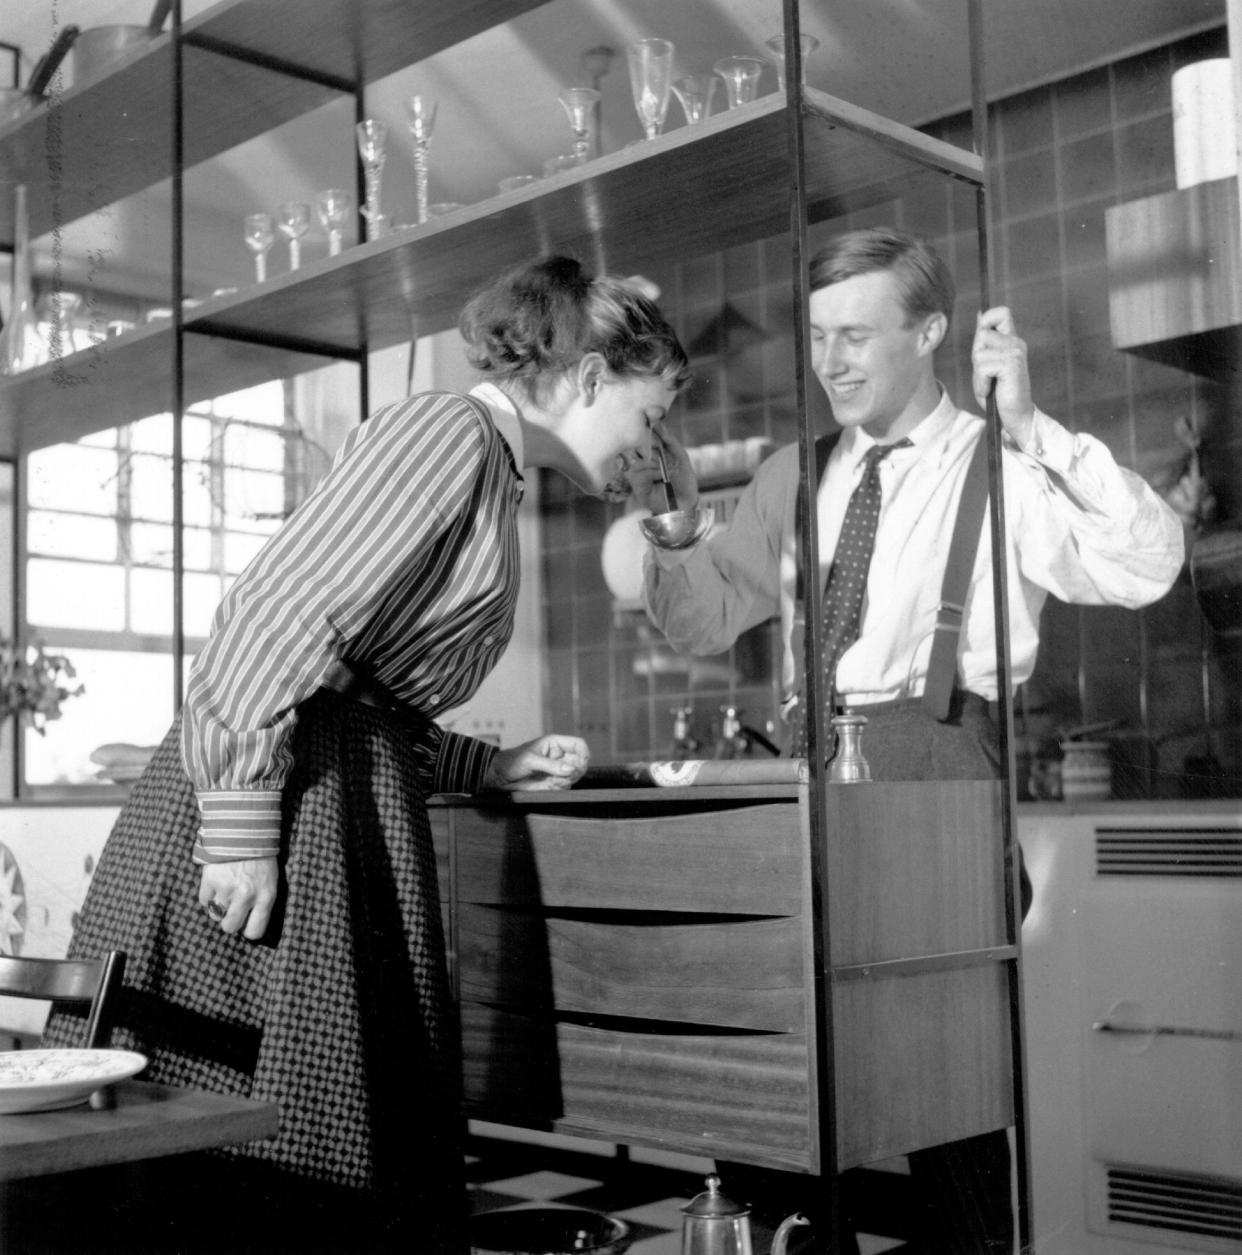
[1061, 155]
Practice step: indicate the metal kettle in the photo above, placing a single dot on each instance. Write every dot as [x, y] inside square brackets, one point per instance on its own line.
[713, 1224]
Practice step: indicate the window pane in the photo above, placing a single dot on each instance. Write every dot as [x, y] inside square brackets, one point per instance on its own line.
[264, 404]
[151, 602]
[152, 435]
[202, 596]
[73, 477]
[252, 446]
[70, 535]
[196, 494]
[253, 496]
[150, 544]
[239, 548]
[75, 594]
[197, 433]
[196, 542]
[127, 697]
[151, 488]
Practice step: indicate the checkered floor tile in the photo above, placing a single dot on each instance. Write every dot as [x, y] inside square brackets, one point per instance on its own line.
[647, 1197]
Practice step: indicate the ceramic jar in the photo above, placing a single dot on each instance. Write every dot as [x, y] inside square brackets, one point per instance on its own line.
[1086, 771]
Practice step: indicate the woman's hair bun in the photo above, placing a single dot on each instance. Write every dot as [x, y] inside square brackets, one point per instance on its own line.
[541, 318]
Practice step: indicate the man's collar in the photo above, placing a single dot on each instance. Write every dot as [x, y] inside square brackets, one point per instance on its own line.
[855, 441]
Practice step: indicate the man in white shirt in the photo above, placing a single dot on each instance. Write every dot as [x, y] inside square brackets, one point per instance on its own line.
[1078, 526]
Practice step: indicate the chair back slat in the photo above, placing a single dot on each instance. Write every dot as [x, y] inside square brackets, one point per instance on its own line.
[73, 982]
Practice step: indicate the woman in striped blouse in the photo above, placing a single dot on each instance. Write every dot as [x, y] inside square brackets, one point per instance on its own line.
[272, 876]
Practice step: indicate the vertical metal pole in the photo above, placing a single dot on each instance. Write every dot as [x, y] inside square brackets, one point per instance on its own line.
[178, 365]
[364, 360]
[1013, 924]
[21, 469]
[824, 1061]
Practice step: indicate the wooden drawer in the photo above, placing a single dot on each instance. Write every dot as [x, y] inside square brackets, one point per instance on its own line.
[743, 1096]
[740, 972]
[745, 859]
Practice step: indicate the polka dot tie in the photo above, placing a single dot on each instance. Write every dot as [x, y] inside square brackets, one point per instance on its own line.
[847, 580]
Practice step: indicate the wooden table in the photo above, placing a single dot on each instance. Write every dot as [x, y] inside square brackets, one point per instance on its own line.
[147, 1122]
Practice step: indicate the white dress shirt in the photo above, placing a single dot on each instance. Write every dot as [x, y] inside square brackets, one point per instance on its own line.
[1078, 526]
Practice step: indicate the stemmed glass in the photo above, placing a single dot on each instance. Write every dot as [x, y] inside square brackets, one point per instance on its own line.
[260, 235]
[579, 104]
[420, 111]
[371, 137]
[332, 206]
[776, 46]
[695, 92]
[293, 224]
[741, 76]
[651, 79]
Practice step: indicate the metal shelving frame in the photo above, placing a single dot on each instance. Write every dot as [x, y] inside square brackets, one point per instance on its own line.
[370, 296]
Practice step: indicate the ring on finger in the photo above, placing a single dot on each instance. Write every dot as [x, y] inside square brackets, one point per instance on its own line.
[217, 910]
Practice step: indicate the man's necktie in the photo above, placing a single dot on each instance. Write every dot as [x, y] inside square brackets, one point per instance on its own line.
[847, 580]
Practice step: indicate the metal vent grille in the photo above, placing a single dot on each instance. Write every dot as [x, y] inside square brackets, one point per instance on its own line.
[1187, 852]
[1208, 1209]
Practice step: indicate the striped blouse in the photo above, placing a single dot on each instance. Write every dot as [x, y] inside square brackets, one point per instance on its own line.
[403, 563]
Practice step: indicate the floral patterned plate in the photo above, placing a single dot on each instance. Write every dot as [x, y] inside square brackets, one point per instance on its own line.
[45, 1080]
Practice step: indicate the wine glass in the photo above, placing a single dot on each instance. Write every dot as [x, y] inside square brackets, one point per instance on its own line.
[741, 77]
[372, 135]
[776, 46]
[579, 104]
[333, 205]
[695, 91]
[420, 111]
[651, 79]
[293, 223]
[260, 235]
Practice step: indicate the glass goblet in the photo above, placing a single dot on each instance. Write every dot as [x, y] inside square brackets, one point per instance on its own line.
[651, 80]
[420, 112]
[293, 223]
[695, 91]
[579, 105]
[332, 206]
[260, 234]
[372, 135]
[741, 77]
[776, 46]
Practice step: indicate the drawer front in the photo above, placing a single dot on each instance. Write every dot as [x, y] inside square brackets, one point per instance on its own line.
[744, 973]
[921, 1060]
[741, 1096]
[748, 859]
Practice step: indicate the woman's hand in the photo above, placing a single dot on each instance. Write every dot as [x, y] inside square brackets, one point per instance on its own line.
[240, 895]
[548, 762]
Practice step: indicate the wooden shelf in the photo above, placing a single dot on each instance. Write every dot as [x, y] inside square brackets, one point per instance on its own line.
[113, 137]
[1175, 278]
[689, 192]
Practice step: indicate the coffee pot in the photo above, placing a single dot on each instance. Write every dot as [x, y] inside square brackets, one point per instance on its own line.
[714, 1224]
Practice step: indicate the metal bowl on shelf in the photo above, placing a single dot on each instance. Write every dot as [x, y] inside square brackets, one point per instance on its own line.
[97, 50]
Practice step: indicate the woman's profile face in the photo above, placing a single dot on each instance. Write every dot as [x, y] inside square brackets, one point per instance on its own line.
[617, 429]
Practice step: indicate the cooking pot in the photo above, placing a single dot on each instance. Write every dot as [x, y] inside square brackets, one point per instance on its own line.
[15, 101]
[547, 1231]
[1216, 573]
[98, 49]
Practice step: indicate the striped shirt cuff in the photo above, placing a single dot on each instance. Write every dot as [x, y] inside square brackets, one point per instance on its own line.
[462, 763]
[237, 824]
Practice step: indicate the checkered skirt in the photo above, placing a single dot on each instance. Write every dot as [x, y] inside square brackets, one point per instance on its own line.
[342, 1015]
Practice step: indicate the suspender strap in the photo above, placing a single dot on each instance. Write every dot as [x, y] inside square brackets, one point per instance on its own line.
[824, 446]
[942, 665]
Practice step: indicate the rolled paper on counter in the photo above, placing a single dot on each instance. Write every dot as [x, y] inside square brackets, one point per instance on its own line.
[701, 772]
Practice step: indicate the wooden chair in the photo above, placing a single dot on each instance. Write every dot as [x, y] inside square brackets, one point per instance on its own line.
[92, 983]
